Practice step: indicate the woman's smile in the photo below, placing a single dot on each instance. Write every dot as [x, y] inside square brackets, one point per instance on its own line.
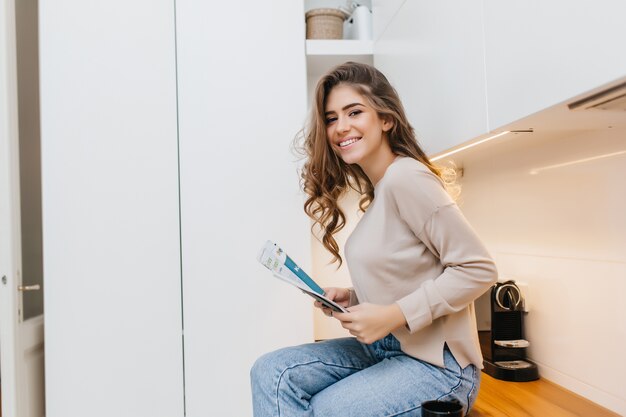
[348, 142]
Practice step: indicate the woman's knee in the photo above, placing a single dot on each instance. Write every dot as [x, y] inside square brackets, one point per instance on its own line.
[270, 364]
[262, 367]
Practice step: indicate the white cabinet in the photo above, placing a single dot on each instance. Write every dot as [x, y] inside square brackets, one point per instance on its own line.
[242, 99]
[466, 68]
[539, 53]
[110, 209]
[166, 165]
[383, 12]
[432, 52]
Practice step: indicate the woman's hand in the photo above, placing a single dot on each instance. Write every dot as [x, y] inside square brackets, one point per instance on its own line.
[340, 296]
[371, 322]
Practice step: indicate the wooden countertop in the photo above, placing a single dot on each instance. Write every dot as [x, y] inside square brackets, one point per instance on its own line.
[539, 398]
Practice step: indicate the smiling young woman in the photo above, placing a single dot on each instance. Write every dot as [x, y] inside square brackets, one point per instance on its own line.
[357, 133]
[415, 262]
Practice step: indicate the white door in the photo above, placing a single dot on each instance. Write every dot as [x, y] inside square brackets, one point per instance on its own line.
[21, 312]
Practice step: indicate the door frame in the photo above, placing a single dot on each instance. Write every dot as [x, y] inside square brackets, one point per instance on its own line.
[10, 244]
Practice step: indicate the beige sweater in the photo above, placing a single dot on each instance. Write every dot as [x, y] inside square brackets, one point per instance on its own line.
[414, 247]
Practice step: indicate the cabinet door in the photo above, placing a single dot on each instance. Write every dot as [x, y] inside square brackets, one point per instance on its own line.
[432, 52]
[110, 209]
[383, 12]
[242, 86]
[540, 53]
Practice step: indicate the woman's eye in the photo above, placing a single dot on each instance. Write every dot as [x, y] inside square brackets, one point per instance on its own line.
[330, 120]
[355, 112]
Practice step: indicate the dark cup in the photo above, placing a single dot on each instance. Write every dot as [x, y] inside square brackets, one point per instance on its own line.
[441, 408]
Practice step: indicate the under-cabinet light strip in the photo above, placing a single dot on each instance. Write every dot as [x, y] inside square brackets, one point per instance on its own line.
[578, 161]
[471, 145]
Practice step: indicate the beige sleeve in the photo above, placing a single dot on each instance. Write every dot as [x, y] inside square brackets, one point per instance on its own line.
[468, 269]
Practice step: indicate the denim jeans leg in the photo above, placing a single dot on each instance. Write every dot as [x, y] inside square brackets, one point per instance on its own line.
[284, 381]
[343, 377]
[396, 386]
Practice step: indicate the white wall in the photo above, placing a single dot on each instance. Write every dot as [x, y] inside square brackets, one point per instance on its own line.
[329, 274]
[563, 231]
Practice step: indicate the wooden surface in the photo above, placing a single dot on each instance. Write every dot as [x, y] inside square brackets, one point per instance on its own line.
[536, 398]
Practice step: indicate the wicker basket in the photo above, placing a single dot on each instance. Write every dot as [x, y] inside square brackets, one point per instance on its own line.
[324, 24]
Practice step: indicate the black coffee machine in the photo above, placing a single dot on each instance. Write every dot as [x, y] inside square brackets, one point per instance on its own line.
[502, 337]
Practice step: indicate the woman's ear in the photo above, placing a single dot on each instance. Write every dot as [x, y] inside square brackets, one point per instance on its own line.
[388, 123]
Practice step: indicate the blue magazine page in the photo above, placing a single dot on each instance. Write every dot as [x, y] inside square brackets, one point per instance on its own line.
[276, 260]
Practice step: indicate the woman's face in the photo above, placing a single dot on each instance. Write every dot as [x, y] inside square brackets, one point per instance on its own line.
[354, 129]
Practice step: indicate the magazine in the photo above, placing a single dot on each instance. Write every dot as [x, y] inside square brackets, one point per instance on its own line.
[283, 267]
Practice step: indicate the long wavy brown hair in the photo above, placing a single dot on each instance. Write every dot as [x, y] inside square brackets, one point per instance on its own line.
[325, 176]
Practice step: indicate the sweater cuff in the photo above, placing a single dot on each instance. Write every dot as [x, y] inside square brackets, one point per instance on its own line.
[416, 310]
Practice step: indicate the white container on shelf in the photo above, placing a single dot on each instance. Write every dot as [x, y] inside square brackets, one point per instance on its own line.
[359, 24]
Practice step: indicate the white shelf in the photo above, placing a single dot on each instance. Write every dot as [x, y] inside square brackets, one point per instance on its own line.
[339, 47]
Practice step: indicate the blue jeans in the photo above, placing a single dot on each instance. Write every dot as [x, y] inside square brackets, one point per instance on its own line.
[343, 377]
